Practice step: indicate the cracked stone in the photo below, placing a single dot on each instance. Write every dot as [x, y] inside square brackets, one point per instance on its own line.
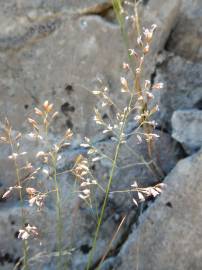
[182, 87]
[187, 129]
[169, 232]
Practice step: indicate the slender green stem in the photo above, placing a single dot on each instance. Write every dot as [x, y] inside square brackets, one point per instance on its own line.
[107, 189]
[58, 213]
[103, 206]
[59, 225]
[117, 6]
[17, 172]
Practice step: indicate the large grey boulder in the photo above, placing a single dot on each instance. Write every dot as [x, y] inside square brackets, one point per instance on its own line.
[59, 56]
[16, 16]
[169, 232]
[187, 128]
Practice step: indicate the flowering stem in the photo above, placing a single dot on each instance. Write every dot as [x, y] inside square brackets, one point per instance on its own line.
[25, 243]
[58, 213]
[90, 258]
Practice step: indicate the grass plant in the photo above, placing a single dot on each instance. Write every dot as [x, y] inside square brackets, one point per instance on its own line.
[137, 109]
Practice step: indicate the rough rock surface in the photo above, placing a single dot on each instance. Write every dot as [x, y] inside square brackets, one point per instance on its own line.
[169, 232]
[179, 66]
[183, 86]
[60, 56]
[186, 36]
[187, 129]
[18, 15]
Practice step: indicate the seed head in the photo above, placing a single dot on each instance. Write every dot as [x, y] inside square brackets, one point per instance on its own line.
[38, 112]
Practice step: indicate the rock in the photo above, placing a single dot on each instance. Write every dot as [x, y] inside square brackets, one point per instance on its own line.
[16, 16]
[186, 37]
[182, 87]
[40, 67]
[181, 68]
[59, 57]
[169, 232]
[187, 129]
